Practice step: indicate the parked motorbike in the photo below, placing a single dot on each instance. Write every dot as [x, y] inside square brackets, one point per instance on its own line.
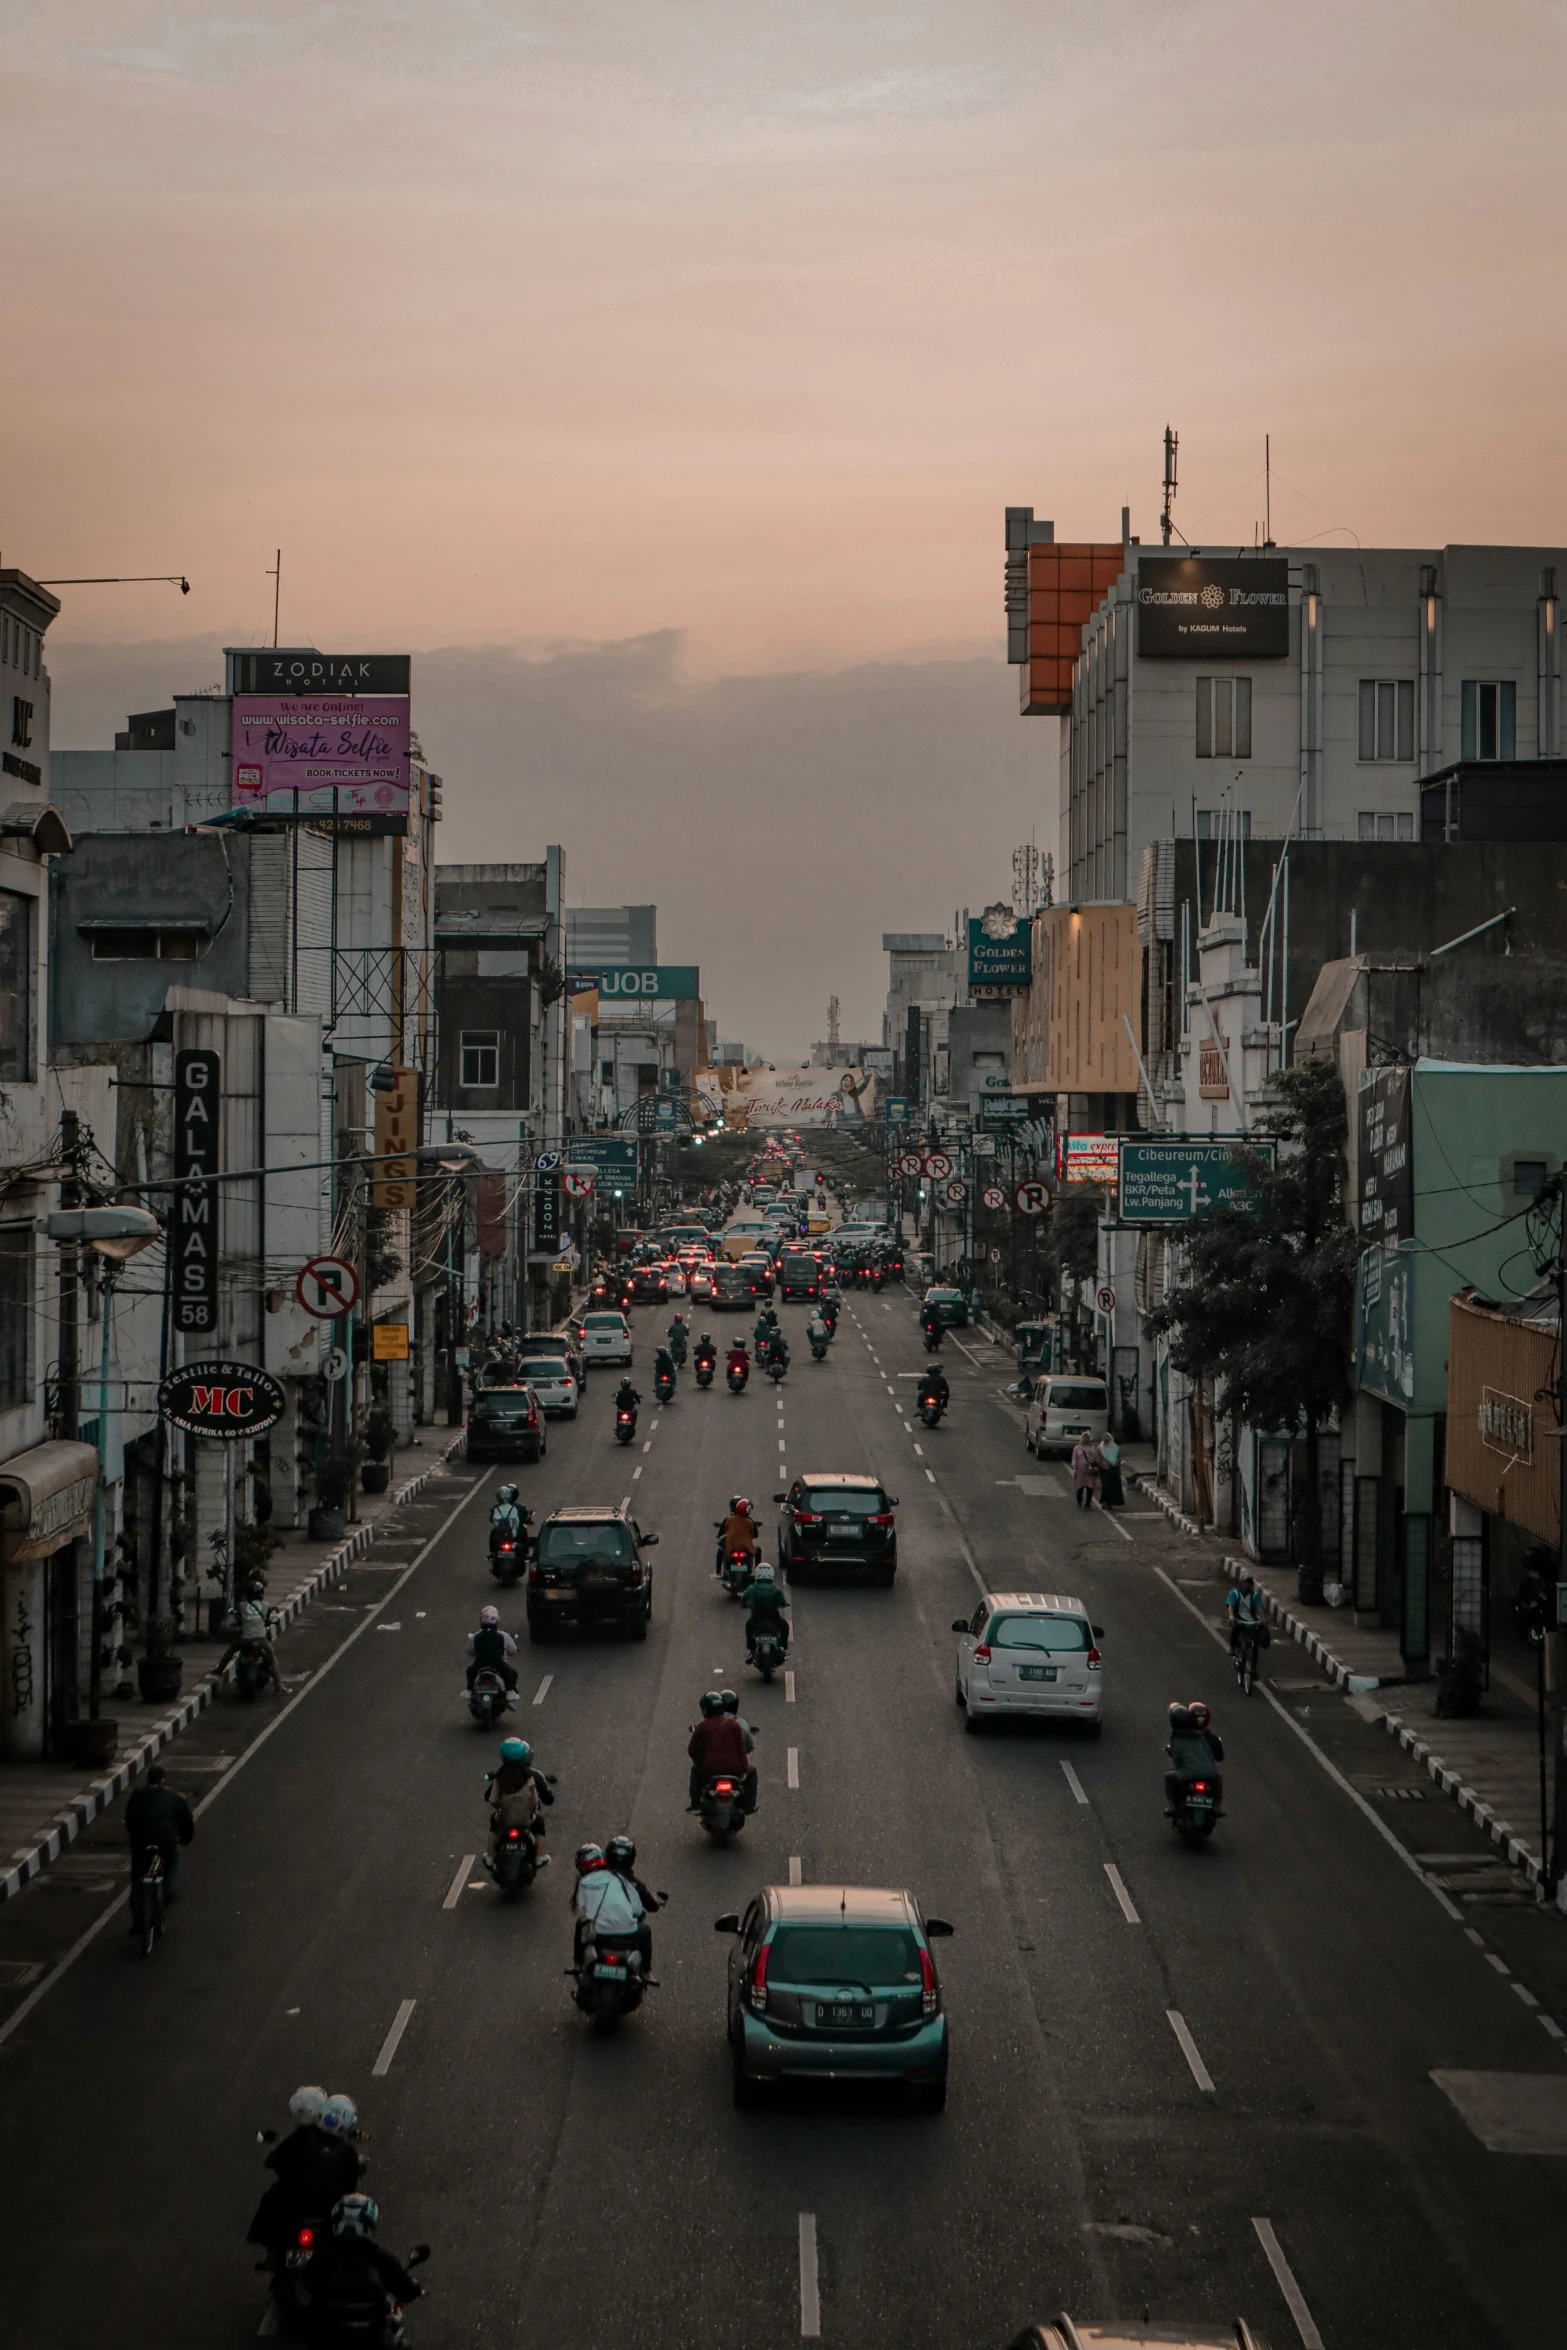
[625, 1424]
[767, 1655]
[489, 1697]
[705, 1365]
[1196, 1809]
[722, 1808]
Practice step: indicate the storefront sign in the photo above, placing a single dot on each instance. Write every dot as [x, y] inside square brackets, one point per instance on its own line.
[221, 1399]
[389, 1342]
[321, 755]
[193, 1238]
[1087, 1158]
[1167, 1179]
[1201, 608]
[290, 670]
[546, 1214]
[1387, 1176]
[638, 984]
[46, 1499]
[1506, 1424]
[999, 958]
[396, 1137]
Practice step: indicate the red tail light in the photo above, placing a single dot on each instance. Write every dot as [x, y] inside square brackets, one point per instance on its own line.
[807, 1517]
[1199, 1786]
[759, 1978]
[882, 1518]
[1094, 1659]
[982, 1653]
[305, 2238]
[927, 1984]
[514, 1835]
[507, 1546]
[723, 1786]
[636, 1577]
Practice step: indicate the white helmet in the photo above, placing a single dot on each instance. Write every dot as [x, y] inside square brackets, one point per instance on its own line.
[764, 1573]
[339, 2115]
[489, 1617]
[305, 2106]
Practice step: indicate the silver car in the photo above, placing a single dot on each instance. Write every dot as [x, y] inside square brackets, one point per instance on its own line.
[554, 1383]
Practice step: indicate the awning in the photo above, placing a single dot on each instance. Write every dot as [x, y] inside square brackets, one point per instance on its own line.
[41, 822]
[46, 1499]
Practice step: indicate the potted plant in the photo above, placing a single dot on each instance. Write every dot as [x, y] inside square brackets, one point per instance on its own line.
[379, 1437]
[158, 1673]
[334, 1475]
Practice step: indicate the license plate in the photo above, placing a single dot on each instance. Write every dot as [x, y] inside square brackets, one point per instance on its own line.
[599, 1583]
[557, 1595]
[845, 2011]
[1036, 1672]
[1199, 1803]
[613, 1974]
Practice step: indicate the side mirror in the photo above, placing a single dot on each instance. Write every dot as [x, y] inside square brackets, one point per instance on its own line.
[892, 1501]
[729, 1923]
[1098, 1631]
[650, 1542]
[780, 1497]
[937, 1929]
[960, 1623]
[418, 2256]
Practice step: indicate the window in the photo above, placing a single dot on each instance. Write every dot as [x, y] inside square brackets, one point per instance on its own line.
[1387, 718]
[146, 946]
[851, 1501]
[481, 1056]
[1384, 824]
[861, 1957]
[1530, 1177]
[21, 724]
[16, 987]
[1212, 822]
[1489, 715]
[16, 1314]
[1063, 1633]
[1224, 717]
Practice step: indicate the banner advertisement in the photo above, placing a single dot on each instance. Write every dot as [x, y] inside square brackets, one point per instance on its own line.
[198, 1104]
[1387, 1175]
[789, 1097]
[1087, 1158]
[1191, 607]
[396, 1137]
[321, 755]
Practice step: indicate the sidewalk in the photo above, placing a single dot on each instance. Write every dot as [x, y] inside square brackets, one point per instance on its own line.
[1489, 1765]
[64, 1802]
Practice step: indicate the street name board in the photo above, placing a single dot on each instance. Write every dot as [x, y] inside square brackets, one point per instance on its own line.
[610, 1156]
[644, 983]
[223, 1399]
[198, 1105]
[1167, 1179]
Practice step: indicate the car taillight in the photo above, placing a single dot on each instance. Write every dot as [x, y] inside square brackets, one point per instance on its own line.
[982, 1653]
[636, 1576]
[759, 1978]
[1094, 1660]
[927, 1984]
[533, 1574]
[807, 1517]
[882, 1518]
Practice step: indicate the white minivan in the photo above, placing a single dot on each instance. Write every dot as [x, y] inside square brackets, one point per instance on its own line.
[1064, 1406]
[604, 1337]
[1033, 1653]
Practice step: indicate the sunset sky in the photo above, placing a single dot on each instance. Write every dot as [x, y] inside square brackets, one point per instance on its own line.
[528, 327]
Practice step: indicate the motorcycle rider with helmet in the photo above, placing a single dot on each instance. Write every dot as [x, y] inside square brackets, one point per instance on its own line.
[620, 1857]
[717, 1748]
[602, 1901]
[491, 1650]
[313, 2166]
[350, 2279]
[933, 1383]
[676, 1336]
[515, 1792]
[730, 1704]
[738, 1532]
[767, 1609]
[1195, 1751]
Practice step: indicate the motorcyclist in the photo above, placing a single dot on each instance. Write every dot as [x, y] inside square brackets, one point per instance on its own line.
[738, 1532]
[729, 1701]
[251, 1622]
[933, 1382]
[491, 1650]
[707, 1348]
[817, 1332]
[1195, 1751]
[767, 1609]
[627, 1397]
[663, 1367]
[717, 1748]
[737, 1359]
[312, 2168]
[1244, 1605]
[350, 2279]
[602, 1901]
[832, 1307]
[515, 1792]
[930, 1324]
[676, 1335]
[156, 1820]
[620, 1857]
[506, 1516]
[761, 1332]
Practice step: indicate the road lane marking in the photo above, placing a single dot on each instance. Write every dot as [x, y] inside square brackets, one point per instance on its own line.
[383, 2063]
[1526, 1995]
[1075, 1783]
[1116, 1523]
[635, 1474]
[788, 1688]
[794, 1766]
[1295, 2299]
[1552, 2026]
[795, 1877]
[1200, 2072]
[454, 1890]
[1122, 1896]
[648, 1446]
[780, 1444]
[931, 1474]
[810, 2294]
[625, 1501]
[1477, 1939]
[543, 1688]
[920, 1449]
[1500, 1964]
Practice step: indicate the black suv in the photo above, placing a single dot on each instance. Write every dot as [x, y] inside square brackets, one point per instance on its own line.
[588, 1568]
[505, 1424]
[648, 1285]
[838, 1521]
[799, 1274]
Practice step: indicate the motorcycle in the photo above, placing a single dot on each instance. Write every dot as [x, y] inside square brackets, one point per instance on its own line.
[777, 1360]
[931, 1408]
[356, 2325]
[819, 1348]
[509, 1548]
[611, 1978]
[830, 1315]
[705, 1365]
[722, 1807]
[254, 1667]
[677, 1348]
[931, 1333]
[514, 1863]
[664, 1386]
[738, 1373]
[1196, 1809]
[625, 1424]
[767, 1654]
[489, 1697]
[734, 1568]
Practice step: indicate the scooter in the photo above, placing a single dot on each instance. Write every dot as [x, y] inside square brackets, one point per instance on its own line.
[722, 1807]
[514, 1863]
[1196, 1809]
[819, 1348]
[705, 1365]
[767, 1655]
[254, 1667]
[738, 1373]
[611, 1978]
[664, 1386]
[509, 1549]
[930, 1409]
[489, 1697]
[734, 1569]
[777, 1360]
[677, 1348]
[931, 1333]
[356, 2324]
[625, 1424]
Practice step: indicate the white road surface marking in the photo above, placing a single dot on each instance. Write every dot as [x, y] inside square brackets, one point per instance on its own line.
[648, 1446]
[1477, 1939]
[795, 1876]
[780, 1444]
[931, 1474]
[389, 1627]
[1075, 1783]
[1500, 1964]
[788, 1688]
[810, 2294]
[389, 2046]
[1200, 2072]
[1121, 1894]
[635, 1474]
[1552, 2026]
[1526, 1995]
[1294, 2298]
[454, 1890]
[543, 1689]
[794, 1766]
[919, 1448]
[1116, 1523]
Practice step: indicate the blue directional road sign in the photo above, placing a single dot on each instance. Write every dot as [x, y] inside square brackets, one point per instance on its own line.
[1168, 1178]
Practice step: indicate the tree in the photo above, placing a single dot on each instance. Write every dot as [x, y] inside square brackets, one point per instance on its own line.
[1266, 1299]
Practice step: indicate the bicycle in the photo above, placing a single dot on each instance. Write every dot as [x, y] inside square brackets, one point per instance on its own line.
[151, 1902]
[1248, 1646]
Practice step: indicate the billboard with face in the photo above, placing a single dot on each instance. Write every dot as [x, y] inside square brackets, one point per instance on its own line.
[788, 1097]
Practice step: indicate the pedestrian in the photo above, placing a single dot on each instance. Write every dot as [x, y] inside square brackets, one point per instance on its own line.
[1083, 1474]
[1112, 1493]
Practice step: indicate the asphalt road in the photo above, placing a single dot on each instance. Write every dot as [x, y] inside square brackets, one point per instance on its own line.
[582, 2194]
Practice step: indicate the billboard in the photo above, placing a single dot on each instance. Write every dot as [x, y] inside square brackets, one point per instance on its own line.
[999, 957]
[789, 1097]
[291, 670]
[1193, 607]
[1169, 1178]
[1387, 1176]
[631, 983]
[1087, 1158]
[318, 755]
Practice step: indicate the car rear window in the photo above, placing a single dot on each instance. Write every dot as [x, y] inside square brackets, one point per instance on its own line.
[800, 1260]
[549, 1367]
[1067, 1395]
[852, 1501]
[828, 1955]
[604, 1322]
[503, 1403]
[606, 1545]
[1068, 1633]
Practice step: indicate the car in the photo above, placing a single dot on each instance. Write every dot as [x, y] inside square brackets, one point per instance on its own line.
[758, 1265]
[833, 1520]
[1065, 2333]
[648, 1286]
[675, 1282]
[700, 1281]
[553, 1382]
[605, 1335]
[799, 1274]
[733, 1289]
[1032, 1654]
[565, 1343]
[950, 1304]
[588, 1569]
[505, 1424]
[835, 1983]
[1063, 1407]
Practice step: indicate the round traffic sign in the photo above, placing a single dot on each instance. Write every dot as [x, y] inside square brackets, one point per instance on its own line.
[909, 1163]
[1032, 1198]
[954, 1191]
[938, 1164]
[327, 1287]
[334, 1364]
[577, 1186]
[1104, 1299]
[994, 1196]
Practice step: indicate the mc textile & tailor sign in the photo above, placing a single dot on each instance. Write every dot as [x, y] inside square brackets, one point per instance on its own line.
[227, 1400]
[321, 755]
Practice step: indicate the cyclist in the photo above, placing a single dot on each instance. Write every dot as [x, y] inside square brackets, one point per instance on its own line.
[156, 1820]
[1244, 1605]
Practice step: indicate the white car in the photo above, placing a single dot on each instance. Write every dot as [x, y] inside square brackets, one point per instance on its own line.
[1064, 1406]
[1032, 1653]
[553, 1382]
[604, 1336]
[699, 1281]
[675, 1277]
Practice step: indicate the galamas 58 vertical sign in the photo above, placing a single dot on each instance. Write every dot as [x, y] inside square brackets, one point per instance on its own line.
[198, 1106]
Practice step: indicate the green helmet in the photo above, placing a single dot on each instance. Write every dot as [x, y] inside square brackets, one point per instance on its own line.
[516, 1750]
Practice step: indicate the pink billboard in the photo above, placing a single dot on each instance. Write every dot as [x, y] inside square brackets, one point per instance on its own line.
[321, 754]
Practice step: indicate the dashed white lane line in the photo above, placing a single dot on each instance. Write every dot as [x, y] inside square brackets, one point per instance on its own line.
[920, 1449]
[1526, 1995]
[1500, 1964]
[1200, 2072]
[454, 1890]
[1295, 2299]
[788, 1688]
[1128, 1911]
[931, 1474]
[794, 1766]
[1552, 2026]
[810, 2292]
[780, 1444]
[383, 2063]
[543, 1689]
[625, 1500]
[1075, 1783]
[795, 1876]
[635, 1474]
[648, 1446]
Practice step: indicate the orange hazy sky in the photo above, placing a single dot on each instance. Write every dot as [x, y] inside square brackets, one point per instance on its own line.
[521, 322]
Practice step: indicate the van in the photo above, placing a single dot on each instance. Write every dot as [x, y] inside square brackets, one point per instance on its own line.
[1066, 1405]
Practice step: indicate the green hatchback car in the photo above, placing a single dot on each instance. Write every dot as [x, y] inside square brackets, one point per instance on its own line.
[835, 1983]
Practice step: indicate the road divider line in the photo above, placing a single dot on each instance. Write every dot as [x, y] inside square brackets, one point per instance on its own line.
[1075, 1783]
[780, 1444]
[454, 1890]
[543, 1689]
[794, 1766]
[931, 1474]
[795, 1878]
[920, 1449]
[1128, 1911]
[648, 1446]
[1200, 2072]
[810, 2291]
[635, 1474]
[1295, 2299]
[389, 2046]
[788, 1688]
[1116, 1523]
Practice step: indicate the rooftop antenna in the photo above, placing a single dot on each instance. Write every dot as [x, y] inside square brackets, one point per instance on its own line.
[276, 576]
[832, 1020]
[1172, 442]
[1267, 490]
